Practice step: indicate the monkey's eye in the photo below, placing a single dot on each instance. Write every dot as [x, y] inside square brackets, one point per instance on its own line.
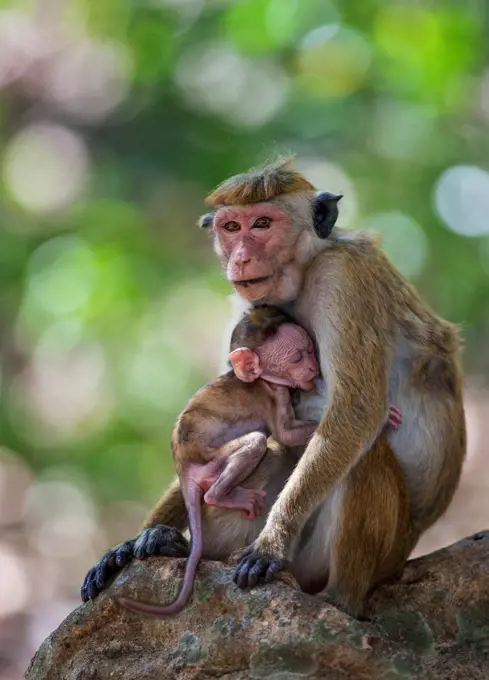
[232, 226]
[262, 222]
[296, 358]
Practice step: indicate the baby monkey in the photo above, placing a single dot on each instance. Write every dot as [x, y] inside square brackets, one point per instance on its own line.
[221, 436]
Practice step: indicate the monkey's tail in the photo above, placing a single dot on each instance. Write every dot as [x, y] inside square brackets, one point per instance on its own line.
[194, 508]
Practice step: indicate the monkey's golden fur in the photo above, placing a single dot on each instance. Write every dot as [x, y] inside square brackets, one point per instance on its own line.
[261, 184]
[352, 510]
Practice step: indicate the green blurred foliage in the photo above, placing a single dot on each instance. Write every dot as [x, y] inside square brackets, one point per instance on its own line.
[119, 282]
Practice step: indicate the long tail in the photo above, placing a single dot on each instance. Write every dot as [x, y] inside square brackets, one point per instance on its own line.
[195, 525]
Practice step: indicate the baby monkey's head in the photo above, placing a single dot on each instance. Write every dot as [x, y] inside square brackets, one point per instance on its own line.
[268, 344]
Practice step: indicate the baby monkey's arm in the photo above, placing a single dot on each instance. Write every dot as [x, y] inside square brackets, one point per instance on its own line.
[287, 429]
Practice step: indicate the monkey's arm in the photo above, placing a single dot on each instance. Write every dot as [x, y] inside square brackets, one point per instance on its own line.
[354, 353]
[159, 536]
[287, 429]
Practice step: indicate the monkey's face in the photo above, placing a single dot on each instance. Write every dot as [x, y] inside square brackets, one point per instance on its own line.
[288, 358]
[256, 244]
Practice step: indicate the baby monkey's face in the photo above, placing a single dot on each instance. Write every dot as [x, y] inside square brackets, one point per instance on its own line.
[288, 358]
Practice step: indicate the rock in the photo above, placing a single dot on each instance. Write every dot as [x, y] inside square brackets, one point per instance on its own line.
[433, 623]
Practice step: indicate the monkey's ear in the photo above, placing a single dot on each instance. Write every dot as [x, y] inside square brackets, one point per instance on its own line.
[325, 212]
[246, 364]
[205, 221]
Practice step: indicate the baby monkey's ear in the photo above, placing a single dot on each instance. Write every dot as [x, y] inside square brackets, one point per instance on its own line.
[246, 364]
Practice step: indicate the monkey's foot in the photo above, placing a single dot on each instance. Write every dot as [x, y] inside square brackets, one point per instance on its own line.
[254, 568]
[161, 541]
[101, 575]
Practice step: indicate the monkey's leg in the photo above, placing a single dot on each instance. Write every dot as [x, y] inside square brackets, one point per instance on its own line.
[372, 537]
[226, 531]
[158, 537]
[247, 453]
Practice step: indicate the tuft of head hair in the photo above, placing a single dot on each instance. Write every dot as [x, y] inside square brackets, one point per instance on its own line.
[260, 184]
[258, 325]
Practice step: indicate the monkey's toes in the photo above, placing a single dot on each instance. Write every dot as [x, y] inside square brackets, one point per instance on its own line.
[89, 588]
[162, 541]
[254, 569]
[103, 572]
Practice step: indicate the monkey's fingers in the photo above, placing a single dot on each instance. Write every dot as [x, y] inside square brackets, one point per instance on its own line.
[103, 572]
[395, 420]
[254, 569]
[162, 541]
[274, 567]
[89, 588]
[123, 554]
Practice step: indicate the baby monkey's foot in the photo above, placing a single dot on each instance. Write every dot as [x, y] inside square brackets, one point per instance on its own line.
[254, 503]
[250, 501]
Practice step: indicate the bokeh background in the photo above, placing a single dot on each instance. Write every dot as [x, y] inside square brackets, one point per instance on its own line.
[116, 118]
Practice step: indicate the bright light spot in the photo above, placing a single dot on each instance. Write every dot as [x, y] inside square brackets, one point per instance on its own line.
[179, 336]
[320, 35]
[217, 78]
[157, 379]
[462, 199]
[201, 325]
[61, 336]
[333, 61]
[403, 130]
[65, 536]
[281, 17]
[330, 177]
[263, 94]
[20, 44]
[15, 482]
[396, 26]
[62, 275]
[90, 80]
[45, 167]
[14, 586]
[60, 518]
[403, 241]
[66, 392]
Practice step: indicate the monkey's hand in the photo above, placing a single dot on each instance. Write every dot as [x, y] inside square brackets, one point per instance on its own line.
[255, 567]
[394, 418]
[158, 540]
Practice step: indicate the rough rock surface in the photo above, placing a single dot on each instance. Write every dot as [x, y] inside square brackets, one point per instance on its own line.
[434, 623]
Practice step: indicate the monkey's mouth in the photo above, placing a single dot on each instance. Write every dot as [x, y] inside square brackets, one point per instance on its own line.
[245, 283]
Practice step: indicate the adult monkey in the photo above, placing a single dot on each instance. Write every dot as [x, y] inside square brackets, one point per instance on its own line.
[377, 343]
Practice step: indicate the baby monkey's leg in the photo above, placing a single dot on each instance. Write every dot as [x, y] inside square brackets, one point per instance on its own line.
[241, 457]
